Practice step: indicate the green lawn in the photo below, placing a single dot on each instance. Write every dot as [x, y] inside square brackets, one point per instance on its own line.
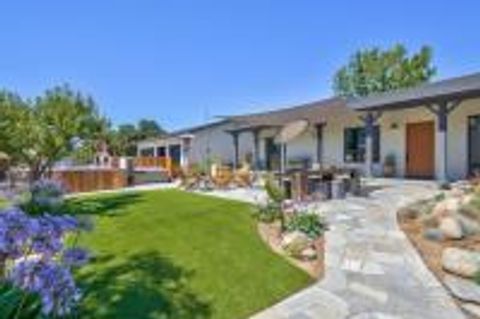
[171, 254]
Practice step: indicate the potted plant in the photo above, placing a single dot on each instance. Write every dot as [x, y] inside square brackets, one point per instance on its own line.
[390, 165]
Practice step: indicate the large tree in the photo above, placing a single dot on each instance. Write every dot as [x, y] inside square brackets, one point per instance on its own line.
[44, 130]
[122, 141]
[375, 70]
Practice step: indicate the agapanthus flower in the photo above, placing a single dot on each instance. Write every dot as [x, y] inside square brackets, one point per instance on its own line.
[16, 229]
[75, 257]
[53, 283]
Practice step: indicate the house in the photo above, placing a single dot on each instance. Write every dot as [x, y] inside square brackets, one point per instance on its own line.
[432, 131]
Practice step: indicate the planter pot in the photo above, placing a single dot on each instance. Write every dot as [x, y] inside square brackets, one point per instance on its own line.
[389, 171]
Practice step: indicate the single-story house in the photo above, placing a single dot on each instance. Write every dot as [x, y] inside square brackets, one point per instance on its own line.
[431, 131]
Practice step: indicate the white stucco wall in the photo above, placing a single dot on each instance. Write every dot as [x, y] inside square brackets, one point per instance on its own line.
[220, 144]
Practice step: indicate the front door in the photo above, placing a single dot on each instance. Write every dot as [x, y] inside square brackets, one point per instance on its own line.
[474, 145]
[420, 155]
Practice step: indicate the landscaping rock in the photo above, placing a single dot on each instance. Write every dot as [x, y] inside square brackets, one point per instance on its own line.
[295, 242]
[308, 254]
[461, 262]
[446, 207]
[467, 199]
[451, 228]
[463, 289]
[433, 234]
[469, 226]
[472, 309]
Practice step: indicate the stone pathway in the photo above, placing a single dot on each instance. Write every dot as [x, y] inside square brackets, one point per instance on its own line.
[372, 270]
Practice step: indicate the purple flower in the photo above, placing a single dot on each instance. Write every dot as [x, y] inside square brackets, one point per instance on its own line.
[52, 282]
[75, 257]
[16, 228]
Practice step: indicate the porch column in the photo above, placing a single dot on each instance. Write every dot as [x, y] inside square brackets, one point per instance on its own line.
[256, 148]
[369, 120]
[236, 160]
[319, 134]
[442, 111]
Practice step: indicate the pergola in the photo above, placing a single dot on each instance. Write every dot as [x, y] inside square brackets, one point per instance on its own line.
[441, 98]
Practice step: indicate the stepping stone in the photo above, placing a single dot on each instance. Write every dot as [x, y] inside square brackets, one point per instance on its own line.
[472, 309]
[372, 268]
[367, 291]
[353, 265]
[463, 289]
[374, 315]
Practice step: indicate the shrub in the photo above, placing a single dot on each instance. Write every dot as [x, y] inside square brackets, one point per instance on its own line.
[309, 223]
[268, 213]
[274, 192]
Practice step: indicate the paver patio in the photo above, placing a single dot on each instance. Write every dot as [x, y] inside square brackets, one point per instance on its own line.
[372, 270]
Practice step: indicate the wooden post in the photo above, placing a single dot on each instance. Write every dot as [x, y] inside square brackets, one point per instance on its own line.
[235, 149]
[442, 110]
[256, 148]
[369, 120]
[319, 134]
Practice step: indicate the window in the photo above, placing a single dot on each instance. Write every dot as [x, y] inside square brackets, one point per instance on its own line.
[161, 151]
[147, 152]
[355, 145]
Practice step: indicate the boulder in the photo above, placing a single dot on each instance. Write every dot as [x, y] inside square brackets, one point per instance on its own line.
[467, 199]
[469, 226]
[295, 242]
[463, 289]
[433, 234]
[308, 254]
[451, 228]
[446, 207]
[461, 262]
[472, 309]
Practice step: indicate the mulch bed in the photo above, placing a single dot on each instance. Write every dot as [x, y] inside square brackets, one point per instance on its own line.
[271, 234]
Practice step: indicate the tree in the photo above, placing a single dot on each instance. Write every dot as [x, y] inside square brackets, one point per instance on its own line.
[375, 70]
[51, 127]
[122, 141]
[149, 128]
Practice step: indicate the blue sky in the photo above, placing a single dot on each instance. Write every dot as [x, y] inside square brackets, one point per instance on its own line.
[183, 62]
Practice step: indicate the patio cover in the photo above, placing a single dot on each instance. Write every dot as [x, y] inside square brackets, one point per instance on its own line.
[458, 88]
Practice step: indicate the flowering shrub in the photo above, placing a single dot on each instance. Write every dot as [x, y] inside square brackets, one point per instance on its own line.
[35, 261]
[310, 224]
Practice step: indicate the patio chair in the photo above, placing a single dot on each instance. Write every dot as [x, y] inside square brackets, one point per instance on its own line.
[244, 176]
[223, 177]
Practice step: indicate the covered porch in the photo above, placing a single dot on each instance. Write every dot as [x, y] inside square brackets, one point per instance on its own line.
[433, 130]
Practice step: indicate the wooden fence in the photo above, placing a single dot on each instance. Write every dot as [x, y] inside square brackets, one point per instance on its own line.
[89, 180]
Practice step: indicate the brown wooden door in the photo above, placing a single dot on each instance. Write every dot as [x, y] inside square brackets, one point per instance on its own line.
[421, 149]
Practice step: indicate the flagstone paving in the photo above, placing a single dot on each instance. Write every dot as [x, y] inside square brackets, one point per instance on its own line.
[372, 270]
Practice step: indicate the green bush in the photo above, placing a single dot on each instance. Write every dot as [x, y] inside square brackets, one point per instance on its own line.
[308, 223]
[274, 192]
[268, 213]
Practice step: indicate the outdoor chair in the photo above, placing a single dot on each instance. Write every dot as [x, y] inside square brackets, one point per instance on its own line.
[244, 176]
[223, 177]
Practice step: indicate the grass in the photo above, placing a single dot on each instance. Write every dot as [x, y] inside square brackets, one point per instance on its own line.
[171, 254]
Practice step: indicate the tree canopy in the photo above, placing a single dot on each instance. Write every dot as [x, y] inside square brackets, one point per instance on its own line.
[376, 70]
[122, 140]
[49, 128]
